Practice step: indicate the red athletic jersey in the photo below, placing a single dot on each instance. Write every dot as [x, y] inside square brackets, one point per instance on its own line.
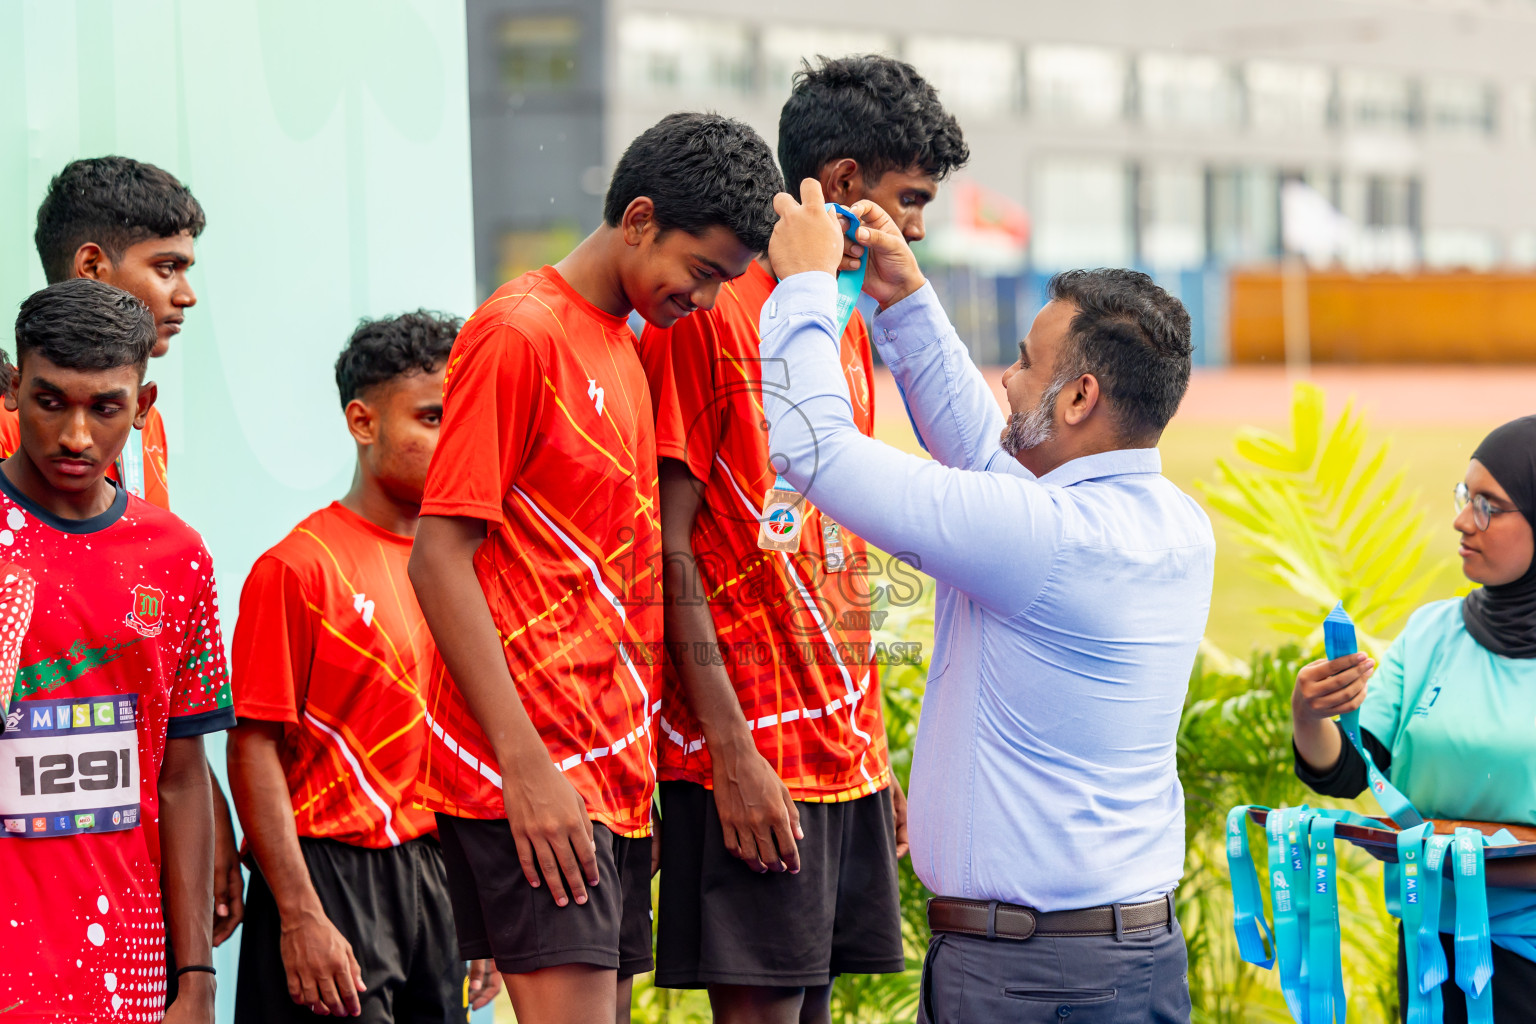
[156, 487]
[547, 437]
[123, 652]
[793, 628]
[330, 642]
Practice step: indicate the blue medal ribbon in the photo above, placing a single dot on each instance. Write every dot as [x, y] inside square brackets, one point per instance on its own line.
[1288, 896]
[1248, 920]
[849, 282]
[1338, 641]
[130, 464]
[1433, 969]
[1325, 985]
[1410, 874]
[1474, 950]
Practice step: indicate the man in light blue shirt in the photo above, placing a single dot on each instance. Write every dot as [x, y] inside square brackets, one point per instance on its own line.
[1074, 582]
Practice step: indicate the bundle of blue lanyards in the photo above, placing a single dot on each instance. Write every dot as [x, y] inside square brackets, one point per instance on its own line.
[1304, 937]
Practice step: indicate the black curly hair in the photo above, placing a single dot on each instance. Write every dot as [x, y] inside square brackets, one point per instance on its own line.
[83, 324]
[1134, 337]
[699, 170]
[381, 350]
[115, 202]
[876, 110]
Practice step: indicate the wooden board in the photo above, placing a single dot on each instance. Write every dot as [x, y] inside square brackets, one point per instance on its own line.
[1381, 842]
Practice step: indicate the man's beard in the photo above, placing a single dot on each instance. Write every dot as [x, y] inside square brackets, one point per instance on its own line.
[1026, 430]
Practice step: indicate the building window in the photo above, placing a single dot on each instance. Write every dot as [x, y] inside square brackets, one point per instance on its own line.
[1461, 249]
[1245, 214]
[659, 53]
[538, 54]
[1377, 101]
[1186, 91]
[977, 76]
[1172, 207]
[1459, 106]
[1082, 213]
[784, 47]
[1075, 83]
[1285, 97]
[1385, 210]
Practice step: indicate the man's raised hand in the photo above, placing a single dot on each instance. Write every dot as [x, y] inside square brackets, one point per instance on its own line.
[893, 273]
[808, 236]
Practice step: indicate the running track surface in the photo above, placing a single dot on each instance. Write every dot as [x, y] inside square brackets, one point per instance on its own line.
[1390, 394]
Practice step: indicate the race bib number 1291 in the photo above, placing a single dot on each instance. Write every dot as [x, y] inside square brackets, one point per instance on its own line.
[70, 765]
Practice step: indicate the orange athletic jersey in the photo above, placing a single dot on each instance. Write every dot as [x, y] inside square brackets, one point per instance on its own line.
[156, 489]
[330, 642]
[547, 436]
[793, 630]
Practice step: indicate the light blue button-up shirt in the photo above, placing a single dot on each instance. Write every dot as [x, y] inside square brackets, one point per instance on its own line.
[1069, 610]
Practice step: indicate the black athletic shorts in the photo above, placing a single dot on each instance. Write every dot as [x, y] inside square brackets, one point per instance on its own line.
[721, 923]
[392, 906]
[499, 916]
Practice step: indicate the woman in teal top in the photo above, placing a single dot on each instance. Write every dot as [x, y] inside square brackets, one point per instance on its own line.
[1450, 714]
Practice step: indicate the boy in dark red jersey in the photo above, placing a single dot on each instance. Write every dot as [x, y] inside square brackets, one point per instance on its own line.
[348, 911]
[536, 564]
[104, 790]
[779, 763]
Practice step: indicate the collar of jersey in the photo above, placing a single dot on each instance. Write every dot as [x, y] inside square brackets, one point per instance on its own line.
[95, 524]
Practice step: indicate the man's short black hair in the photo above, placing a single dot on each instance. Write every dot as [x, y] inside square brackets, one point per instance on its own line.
[115, 202]
[379, 351]
[1131, 335]
[81, 324]
[700, 170]
[873, 109]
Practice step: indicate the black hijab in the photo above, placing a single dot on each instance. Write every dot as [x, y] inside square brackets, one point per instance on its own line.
[1503, 618]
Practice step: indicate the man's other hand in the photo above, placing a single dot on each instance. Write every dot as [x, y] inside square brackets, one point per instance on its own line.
[808, 236]
[892, 273]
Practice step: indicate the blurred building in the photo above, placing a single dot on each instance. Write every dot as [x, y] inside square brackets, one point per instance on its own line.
[1155, 135]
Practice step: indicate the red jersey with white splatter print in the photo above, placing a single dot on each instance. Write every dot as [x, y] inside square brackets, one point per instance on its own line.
[123, 653]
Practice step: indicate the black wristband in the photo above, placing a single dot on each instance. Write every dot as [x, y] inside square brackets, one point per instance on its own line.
[195, 967]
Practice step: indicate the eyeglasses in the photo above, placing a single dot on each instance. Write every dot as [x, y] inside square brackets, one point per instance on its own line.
[1482, 511]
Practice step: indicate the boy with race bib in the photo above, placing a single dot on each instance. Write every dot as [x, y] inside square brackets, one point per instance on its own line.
[104, 792]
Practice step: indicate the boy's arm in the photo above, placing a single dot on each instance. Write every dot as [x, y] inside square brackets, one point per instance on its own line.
[186, 873]
[228, 882]
[317, 958]
[549, 818]
[757, 813]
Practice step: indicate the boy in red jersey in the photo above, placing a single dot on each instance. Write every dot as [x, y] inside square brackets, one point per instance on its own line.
[104, 790]
[348, 910]
[133, 226]
[536, 564]
[772, 756]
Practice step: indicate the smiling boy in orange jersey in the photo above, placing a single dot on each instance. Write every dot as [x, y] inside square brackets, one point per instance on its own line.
[536, 566]
[778, 764]
[348, 913]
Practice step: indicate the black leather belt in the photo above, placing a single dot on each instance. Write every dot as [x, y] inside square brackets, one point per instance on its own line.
[994, 920]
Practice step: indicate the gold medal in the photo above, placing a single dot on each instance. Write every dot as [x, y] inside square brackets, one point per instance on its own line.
[783, 516]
